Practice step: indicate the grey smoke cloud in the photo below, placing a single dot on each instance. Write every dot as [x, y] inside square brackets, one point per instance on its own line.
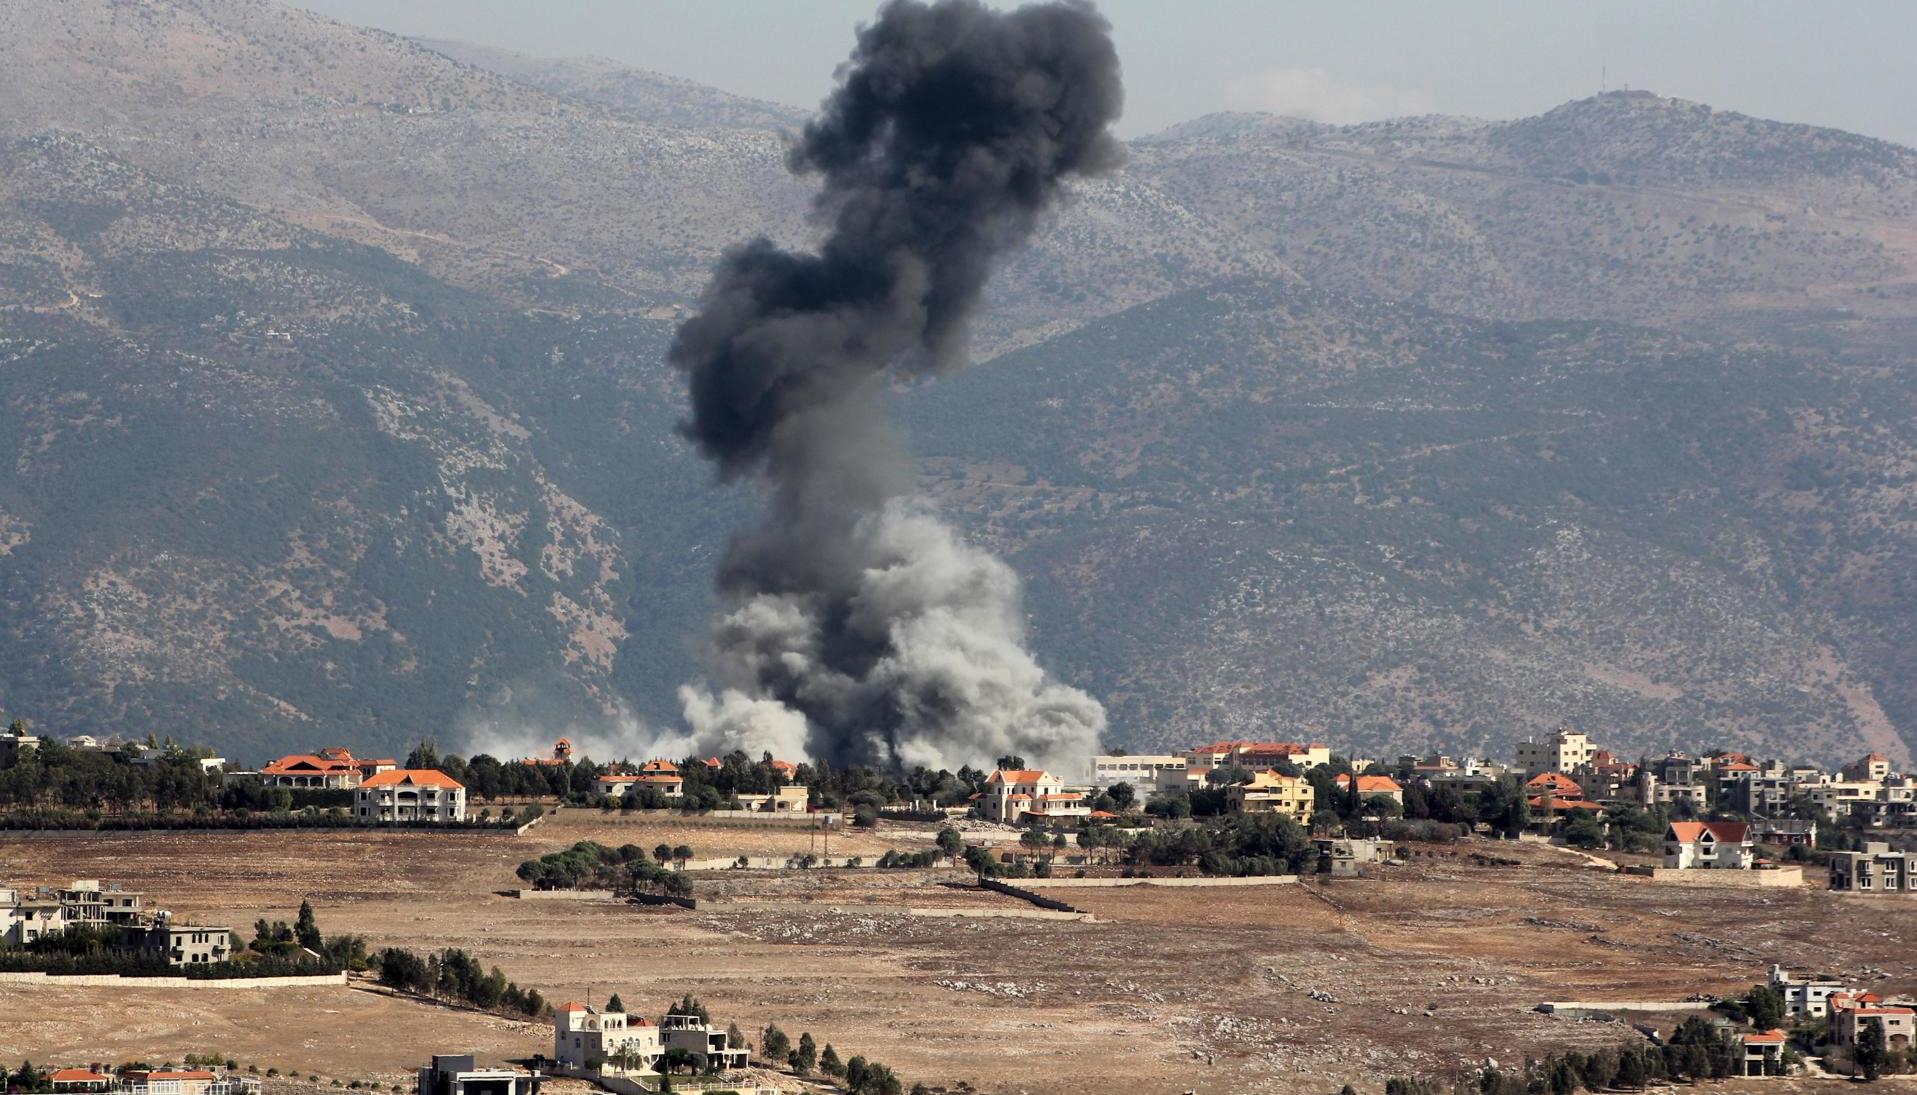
[856, 613]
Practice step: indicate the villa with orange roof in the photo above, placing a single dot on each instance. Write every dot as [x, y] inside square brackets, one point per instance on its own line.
[411, 794]
[332, 768]
[1691, 845]
[78, 1079]
[1017, 796]
[1370, 787]
[1763, 1053]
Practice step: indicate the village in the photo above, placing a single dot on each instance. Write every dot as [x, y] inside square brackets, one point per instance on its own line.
[1013, 844]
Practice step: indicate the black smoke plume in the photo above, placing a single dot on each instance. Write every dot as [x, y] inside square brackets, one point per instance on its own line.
[863, 628]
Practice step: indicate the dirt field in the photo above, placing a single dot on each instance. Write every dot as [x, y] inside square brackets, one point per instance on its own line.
[1424, 969]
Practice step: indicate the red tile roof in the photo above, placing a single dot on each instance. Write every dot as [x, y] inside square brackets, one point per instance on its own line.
[191, 1074]
[1017, 775]
[305, 764]
[1765, 1038]
[1556, 783]
[413, 777]
[1371, 785]
[1690, 832]
[77, 1076]
[573, 1005]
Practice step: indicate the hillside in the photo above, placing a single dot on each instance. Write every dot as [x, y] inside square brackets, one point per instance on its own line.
[336, 408]
[647, 96]
[1268, 509]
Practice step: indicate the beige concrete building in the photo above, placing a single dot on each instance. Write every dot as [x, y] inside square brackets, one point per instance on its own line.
[701, 1039]
[1564, 751]
[585, 1038]
[411, 794]
[1850, 1014]
[1271, 793]
[1875, 870]
[189, 944]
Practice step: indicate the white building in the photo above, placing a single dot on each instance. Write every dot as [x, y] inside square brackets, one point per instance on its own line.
[1564, 751]
[1018, 796]
[1694, 845]
[586, 1039]
[411, 794]
[459, 1074]
[1139, 770]
[25, 917]
[1804, 996]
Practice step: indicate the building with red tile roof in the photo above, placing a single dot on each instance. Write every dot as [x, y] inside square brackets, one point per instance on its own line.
[1370, 787]
[1690, 845]
[1018, 796]
[410, 795]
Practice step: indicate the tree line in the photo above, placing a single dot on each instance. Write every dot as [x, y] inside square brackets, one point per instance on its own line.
[452, 974]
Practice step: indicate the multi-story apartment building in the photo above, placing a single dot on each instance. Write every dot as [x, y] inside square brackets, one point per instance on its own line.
[1272, 793]
[1806, 995]
[411, 794]
[1566, 749]
[1876, 870]
[704, 1041]
[1139, 770]
[85, 901]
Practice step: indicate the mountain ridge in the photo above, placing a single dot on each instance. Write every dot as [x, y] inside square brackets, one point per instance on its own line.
[337, 407]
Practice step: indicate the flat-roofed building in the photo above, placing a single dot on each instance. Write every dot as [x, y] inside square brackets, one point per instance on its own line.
[460, 1074]
[1139, 770]
[1875, 870]
[1564, 751]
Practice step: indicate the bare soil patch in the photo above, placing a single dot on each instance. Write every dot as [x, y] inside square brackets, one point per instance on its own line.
[1422, 969]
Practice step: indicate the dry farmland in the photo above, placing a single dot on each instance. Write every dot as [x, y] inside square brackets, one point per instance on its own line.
[1425, 968]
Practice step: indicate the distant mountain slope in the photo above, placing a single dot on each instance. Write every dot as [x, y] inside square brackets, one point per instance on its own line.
[649, 96]
[334, 406]
[1262, 509]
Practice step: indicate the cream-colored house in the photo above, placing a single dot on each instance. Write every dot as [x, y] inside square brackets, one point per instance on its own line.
[590, 1040]
[1015, 796]
[1271, 793]
[411, 794]
[617, 784]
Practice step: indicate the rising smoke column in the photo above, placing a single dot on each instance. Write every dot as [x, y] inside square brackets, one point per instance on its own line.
[863, 628]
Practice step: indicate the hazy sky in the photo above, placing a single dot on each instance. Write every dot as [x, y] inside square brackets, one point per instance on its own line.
[1847, 65]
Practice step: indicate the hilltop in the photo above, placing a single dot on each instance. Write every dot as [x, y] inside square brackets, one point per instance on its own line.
[336, 406]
